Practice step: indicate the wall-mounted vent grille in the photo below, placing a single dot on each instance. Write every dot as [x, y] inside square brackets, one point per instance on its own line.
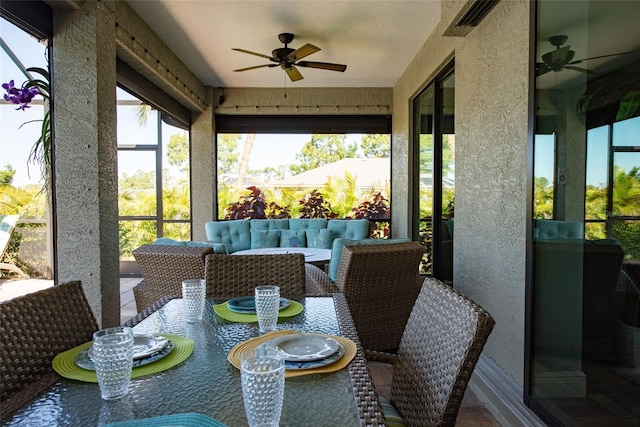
[476, 12]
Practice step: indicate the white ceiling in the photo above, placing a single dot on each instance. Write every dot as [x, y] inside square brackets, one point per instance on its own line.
[375, 39]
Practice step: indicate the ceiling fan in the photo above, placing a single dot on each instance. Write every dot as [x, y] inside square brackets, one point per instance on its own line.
[288, 59]
[562, 58]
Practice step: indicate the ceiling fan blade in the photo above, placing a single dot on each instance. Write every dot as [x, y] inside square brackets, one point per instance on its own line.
[598, 57]
[256, 66]
[542, 69]
[293, 73]
[251, 53]
[303, 51]
[322, 65]
[579, 69]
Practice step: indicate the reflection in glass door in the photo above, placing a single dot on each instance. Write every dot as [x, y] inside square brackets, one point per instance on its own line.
[584, 366]
[434, 174]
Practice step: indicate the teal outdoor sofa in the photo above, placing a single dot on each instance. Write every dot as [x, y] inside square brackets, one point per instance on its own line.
[575, 281]
[231, 236]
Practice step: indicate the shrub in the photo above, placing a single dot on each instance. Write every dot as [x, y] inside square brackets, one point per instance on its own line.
[377, 208]
[314, 206]
[254, 206]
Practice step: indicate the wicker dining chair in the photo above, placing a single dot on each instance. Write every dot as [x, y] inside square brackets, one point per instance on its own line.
[381, 283]
[163, 269]
[230, 276]
[34, 328]
[440, 347]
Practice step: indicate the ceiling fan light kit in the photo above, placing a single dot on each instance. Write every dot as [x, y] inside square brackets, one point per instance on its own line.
[288, 59]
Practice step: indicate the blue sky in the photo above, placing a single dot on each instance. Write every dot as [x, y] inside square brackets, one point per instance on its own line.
[16, 141]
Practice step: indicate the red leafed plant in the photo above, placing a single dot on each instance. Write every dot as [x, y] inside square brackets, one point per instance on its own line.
[255, 206]
[376, 208]
[314, 206]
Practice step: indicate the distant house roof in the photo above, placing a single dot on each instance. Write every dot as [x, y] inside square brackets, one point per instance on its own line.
[368, 172]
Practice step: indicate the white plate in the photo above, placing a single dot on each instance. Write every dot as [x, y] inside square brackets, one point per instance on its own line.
[144, 346]
[83, 360]
[312, 364]
[304, 347]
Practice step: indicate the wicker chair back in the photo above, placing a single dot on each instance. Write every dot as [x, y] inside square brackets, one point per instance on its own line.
[439, 350]
[381, 284]
[163, 268]
[34, 328]
[230, 276]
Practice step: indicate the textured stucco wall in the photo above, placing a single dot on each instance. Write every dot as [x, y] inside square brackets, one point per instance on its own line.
[491, 66]
[86, 180]
[203, 187]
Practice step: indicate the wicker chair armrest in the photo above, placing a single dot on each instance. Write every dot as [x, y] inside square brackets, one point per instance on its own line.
[380, 356]
[148, 311]
[318, 282]
[27, 394]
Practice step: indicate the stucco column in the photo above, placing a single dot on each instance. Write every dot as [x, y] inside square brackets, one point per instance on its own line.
[85, 155]
[203, 187]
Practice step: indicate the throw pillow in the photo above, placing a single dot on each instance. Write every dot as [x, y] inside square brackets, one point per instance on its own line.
[265, 239]
[293, 238]
[319, 238]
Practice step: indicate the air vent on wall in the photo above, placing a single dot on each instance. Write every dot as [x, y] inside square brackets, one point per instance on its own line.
[470, 17]
[475, 13]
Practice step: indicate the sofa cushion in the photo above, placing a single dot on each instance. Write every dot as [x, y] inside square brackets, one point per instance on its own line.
[319, 238]
[336, 252]
[169, 242]
[307, 223]
[349, 228]
[269, 224]
[265, 239]
[554, 229]
[234, 234]
[293, 238]
[218, 248]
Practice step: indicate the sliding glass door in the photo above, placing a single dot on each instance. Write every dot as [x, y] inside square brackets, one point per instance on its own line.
[434, 174]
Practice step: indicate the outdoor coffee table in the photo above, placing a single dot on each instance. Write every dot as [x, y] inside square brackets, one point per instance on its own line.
[316, 256]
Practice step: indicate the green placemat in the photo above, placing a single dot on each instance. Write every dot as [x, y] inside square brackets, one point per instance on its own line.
[223, 311]
[64, 363]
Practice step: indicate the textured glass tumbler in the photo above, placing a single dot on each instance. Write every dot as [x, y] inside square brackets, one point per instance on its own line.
[267, 307]
[113, 359]
[262, 373]
[193, 294]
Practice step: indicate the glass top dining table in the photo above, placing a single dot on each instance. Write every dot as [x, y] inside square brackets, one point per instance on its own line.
[207, 383]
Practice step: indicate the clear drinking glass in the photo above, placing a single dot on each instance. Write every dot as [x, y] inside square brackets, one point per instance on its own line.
[193, 294]
[113, 359]
[267, 299]
[262, 373]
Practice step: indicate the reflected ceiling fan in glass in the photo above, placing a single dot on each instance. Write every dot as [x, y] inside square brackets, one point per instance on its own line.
[288, 59]
[562, 58]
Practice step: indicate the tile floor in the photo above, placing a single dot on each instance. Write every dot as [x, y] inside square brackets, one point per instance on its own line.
[469, 415]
